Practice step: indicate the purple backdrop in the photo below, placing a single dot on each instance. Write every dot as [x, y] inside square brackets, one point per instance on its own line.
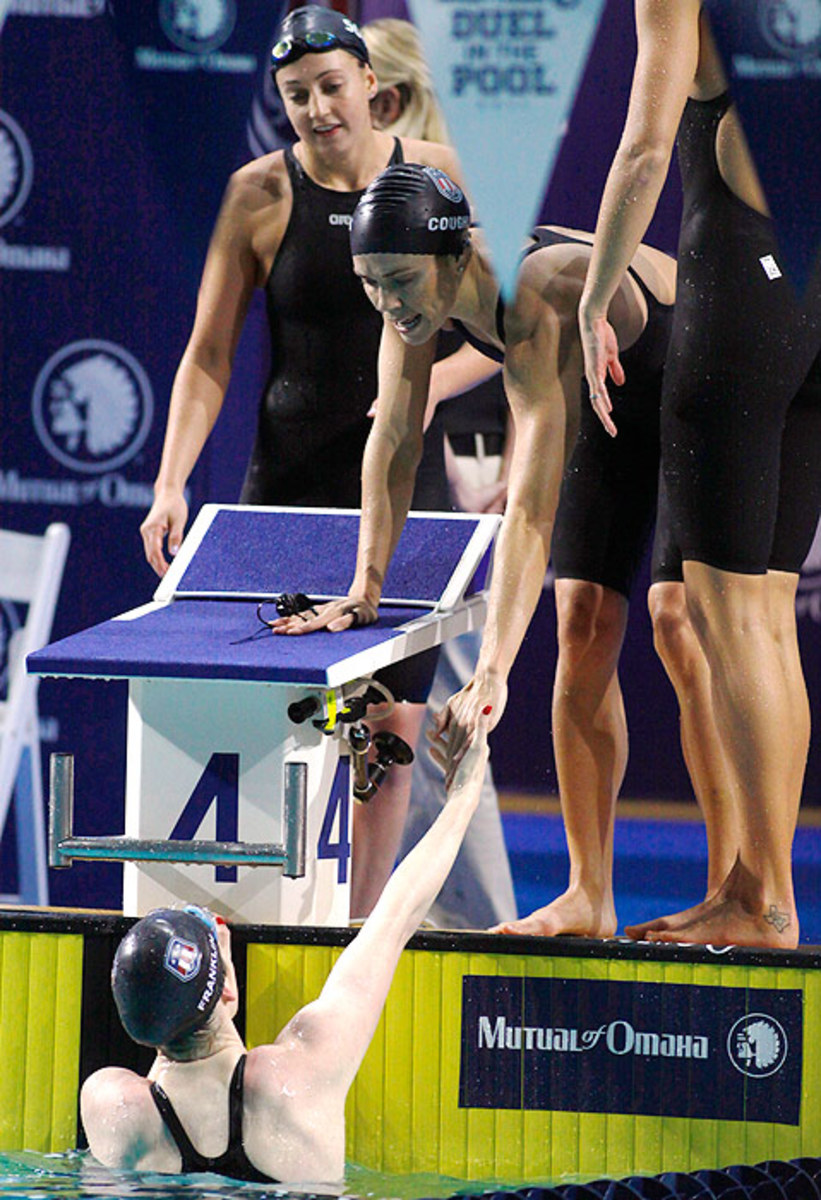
[119, 141]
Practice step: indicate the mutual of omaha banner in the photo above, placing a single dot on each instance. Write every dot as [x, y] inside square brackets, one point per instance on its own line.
[668, 1050]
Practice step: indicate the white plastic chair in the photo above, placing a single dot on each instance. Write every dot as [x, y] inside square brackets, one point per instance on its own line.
[31, 571]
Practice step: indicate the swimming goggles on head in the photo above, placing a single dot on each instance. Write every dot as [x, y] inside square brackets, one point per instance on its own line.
[316, 41]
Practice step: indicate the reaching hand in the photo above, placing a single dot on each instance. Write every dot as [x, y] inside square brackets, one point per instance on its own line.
[471, 770]
[335, 616]
[601, 359]
[166, 518]
[482, 700]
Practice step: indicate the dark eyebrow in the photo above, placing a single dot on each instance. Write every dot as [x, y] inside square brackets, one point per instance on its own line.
[297, 83]
[385, 274]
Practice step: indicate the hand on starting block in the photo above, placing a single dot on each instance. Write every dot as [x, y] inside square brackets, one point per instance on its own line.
[335, 616]
[479, 704]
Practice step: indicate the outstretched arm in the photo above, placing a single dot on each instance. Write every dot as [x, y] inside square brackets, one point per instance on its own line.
[336, 1029]
[542, 369]
[201, 381]
[668, 50]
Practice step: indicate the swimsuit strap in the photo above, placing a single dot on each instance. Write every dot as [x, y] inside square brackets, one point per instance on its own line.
[174, 1125]
[235, 1104]
[192, 1159]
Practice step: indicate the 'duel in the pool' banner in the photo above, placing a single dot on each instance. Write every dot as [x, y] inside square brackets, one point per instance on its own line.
[506, 76]
[772, 52]
[667, 1050]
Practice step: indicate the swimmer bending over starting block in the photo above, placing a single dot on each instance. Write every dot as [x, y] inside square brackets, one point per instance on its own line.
[421, 265]
[275, 1113]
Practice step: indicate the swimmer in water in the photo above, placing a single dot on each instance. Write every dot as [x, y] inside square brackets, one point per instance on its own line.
[275, 1113]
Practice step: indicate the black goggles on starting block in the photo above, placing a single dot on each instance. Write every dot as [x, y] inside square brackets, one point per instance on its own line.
[317, 41]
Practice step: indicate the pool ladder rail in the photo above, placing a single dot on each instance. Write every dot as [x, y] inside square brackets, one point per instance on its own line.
[64, 847]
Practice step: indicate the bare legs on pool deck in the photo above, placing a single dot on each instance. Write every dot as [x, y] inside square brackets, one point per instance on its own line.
[746, 625]
[590, 742]
[591, 746]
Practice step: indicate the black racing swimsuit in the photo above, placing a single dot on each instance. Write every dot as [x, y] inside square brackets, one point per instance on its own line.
[741, 407]
[234, 1161]
[313, 419]
[609, 493]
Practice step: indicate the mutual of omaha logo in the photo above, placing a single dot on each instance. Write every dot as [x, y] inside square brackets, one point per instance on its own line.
[16, 168]
[757, 1045]
[638, 1048]
[444, 185]
[792, 27]
[182, 959]
[198, 26]
[92, 406]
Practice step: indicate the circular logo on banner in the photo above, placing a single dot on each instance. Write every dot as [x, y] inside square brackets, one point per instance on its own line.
[757, 1045]
[9, 623]
[92, 406]
[792, 27]
[16, 168]
[198, 26]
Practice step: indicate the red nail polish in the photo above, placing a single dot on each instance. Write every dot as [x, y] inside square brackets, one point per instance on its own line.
[487, 710]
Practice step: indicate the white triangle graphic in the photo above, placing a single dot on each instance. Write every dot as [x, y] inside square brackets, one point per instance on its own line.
[506, 77]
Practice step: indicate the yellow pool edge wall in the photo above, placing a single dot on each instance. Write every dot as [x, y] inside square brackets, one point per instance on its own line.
[58, 1023]
[403, 1112]
[40, 1022]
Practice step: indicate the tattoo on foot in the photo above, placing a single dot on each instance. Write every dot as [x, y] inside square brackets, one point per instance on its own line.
[778, 919]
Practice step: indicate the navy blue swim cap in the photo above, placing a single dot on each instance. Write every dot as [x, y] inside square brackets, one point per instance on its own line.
[167, 976]
[410, 209]
[315, 30]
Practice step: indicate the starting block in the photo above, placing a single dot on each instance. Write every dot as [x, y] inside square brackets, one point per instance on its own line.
[236, 754]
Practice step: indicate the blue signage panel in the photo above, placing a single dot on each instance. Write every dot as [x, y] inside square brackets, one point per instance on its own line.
[120, 121]
[669, 1050]
[772, 51]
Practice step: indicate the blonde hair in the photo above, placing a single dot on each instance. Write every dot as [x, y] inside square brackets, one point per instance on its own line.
[398, 61]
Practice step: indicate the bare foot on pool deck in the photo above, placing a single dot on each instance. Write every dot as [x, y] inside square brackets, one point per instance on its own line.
[725, 922]
[574, 912]
[737, 914]
[671, 922]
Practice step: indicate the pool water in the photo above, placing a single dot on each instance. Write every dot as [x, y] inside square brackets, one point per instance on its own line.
[31, 1176]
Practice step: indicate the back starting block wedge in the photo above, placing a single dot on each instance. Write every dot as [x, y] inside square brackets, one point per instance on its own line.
[238, 776]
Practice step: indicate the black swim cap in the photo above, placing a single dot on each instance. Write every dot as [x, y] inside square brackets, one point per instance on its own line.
[315, 30]
[410, 209]
[167, 976]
